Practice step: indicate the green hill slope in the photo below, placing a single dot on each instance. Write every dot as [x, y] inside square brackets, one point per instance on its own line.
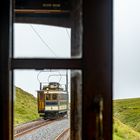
[128, 112]
[25, 107]
[124, 132]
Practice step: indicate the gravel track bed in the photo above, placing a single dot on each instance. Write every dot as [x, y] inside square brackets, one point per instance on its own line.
[28, 124]
[49, 132]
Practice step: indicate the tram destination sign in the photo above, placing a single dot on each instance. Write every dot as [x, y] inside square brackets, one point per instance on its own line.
[42, 6]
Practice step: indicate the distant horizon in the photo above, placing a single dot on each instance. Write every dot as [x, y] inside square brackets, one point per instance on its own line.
[112, 98]
[126, 98]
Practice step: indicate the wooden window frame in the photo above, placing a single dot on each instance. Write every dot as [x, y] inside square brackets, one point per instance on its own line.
[96, 67]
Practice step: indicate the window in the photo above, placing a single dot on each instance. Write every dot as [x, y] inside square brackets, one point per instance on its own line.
[56, 46]
[54, 97]
[41, 41]
[95, 62]
[48, 97]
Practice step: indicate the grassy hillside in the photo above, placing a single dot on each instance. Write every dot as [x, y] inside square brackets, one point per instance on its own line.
[126, 119]
[25, 107]
[124, 132]
[128, 112]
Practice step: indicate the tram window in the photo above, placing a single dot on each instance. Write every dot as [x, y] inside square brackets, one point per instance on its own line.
[30, 100]
[41, 41]
[48, 97]
[54, 97]
[57, 39]
[41, 96]
[92, 14]
[33, 40]
[63, 97]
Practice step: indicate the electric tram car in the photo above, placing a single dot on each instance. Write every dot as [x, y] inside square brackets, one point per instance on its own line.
[52, 101]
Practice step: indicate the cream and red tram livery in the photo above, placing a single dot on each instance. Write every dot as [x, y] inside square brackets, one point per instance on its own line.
[52, 101]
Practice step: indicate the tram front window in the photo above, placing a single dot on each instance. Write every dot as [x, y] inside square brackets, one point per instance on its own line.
[48, 96]
[54, 97]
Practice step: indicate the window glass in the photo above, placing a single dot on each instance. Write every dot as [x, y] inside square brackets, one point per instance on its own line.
[32, 101]
[41, 41]
[56, 32]
[48, 97]
[54, 97]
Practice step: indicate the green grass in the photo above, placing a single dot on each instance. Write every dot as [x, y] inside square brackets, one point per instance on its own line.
[124, 132]
[25, 107]
[128, 112]
[126, 119]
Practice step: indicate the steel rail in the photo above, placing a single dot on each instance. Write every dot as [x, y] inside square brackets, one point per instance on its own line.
[30, 128]
[65, 135]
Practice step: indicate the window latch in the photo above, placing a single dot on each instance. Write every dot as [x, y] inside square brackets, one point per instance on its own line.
[98, 109]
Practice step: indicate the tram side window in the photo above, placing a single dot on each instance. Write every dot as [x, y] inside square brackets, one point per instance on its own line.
[54, 97]
[41, 96]
[63, 97]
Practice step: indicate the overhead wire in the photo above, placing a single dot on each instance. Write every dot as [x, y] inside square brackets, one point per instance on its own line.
[42, 40]
[68, 33]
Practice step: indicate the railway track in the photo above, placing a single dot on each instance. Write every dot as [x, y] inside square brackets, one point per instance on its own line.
[65, 135]
[28, 127]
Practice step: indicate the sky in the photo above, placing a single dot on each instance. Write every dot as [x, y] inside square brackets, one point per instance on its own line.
[126, 48]
[32, 40]
[54, 42]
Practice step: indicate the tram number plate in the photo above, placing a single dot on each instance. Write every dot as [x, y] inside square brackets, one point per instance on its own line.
[43, 4]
